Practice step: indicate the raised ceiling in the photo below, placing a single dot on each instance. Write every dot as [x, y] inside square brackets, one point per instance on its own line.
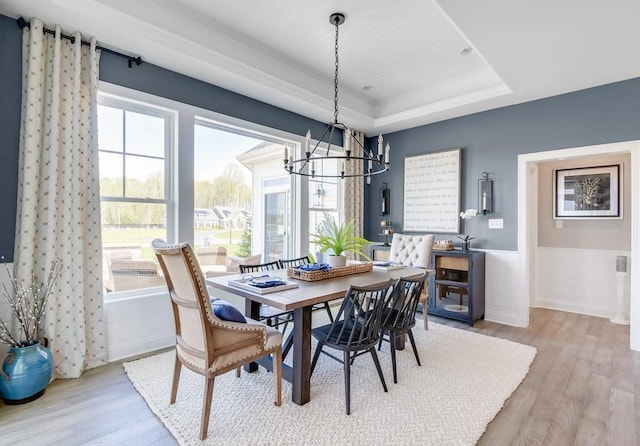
[400, 66]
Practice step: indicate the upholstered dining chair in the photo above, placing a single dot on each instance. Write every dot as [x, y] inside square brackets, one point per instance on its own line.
[134, 274]
[413, 250]
[213, 260]
[273, 316]
[205, 343]
[354, 331]
[399, 315]
[286, 263]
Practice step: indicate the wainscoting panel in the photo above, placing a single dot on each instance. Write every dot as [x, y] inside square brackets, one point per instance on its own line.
[140, 324]
[579, 280]
[502, 282]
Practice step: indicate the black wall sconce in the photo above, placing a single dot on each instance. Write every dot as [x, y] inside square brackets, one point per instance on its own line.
[485, 194]
[385, 199]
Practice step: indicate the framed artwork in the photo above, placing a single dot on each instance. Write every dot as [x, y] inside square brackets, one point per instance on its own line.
[588, 192]
[432, 192]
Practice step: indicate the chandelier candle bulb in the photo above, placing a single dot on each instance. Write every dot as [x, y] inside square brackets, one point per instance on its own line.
[386, 154]
[286, 155]
[307, 142]
[370, 161]
[380, 145]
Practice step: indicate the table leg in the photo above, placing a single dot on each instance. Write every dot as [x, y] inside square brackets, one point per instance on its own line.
[252, 310]
[301, 382]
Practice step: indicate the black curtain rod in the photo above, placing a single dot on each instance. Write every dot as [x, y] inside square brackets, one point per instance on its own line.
[131, 59]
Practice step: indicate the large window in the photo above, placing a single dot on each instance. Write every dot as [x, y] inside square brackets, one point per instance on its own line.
[223, 191]
[181, 173]
[135, 143]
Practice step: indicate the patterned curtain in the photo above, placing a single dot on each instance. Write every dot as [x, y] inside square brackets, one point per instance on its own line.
[353, 204]
[58, 213]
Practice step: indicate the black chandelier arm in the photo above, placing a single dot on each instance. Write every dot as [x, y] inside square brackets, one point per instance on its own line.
[352, 175]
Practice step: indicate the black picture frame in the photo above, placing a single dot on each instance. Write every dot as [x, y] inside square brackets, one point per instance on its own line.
[588, 192]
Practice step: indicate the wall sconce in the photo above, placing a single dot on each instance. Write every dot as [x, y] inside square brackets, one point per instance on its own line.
[385, 200]
[485, 194]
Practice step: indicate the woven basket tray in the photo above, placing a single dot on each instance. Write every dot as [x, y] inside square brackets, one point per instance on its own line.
[312, 276]
[442, 247]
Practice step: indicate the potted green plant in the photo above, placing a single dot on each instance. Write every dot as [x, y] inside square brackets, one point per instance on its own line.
[339, 239]
[26, 369]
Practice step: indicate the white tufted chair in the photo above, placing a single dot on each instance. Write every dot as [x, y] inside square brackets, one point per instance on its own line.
[413, 250]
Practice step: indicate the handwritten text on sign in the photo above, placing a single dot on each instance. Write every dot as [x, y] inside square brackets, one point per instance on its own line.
[432, 192]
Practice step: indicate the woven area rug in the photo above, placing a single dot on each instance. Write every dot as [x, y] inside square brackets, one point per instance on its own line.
[463, 383]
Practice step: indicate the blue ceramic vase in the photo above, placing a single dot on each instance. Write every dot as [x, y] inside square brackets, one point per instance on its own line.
[26, 372]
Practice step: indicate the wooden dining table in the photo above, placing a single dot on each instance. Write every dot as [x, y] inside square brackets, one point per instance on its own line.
[300, 301]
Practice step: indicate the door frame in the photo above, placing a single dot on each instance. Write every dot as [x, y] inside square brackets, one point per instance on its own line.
[528, 227]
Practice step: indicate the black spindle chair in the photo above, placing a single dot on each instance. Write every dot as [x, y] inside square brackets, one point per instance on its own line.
[305, 261]
[355, 330]
[399, 315]
[272, 316]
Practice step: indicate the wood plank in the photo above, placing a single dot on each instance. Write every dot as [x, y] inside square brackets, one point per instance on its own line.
[581, 360]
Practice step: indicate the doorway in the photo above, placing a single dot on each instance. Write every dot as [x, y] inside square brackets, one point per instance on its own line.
[527, 223]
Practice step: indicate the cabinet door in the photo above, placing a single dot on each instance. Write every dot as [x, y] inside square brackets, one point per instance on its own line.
[451, 285]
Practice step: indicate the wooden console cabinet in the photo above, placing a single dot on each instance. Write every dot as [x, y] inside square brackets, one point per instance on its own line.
[456, 289]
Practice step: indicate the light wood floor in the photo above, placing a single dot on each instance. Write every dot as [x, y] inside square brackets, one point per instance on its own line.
[583, 389]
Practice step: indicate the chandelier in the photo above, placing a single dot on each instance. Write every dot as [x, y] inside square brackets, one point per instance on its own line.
[352, 149]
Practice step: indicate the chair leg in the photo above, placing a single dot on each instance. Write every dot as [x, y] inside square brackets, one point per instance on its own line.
[425, 315]
[377, 363]
[277, 374]
[392, 342]
[380, 340]
[206, 407]
[328, 309]
[238, 372]
[413, 345]
[177, 366]
[347, 381]
[316, 355]
[287, 345]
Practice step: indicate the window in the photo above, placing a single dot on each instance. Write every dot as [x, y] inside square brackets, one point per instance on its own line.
[223, 191]
[324, 201]
[181, 173]
[135, 144]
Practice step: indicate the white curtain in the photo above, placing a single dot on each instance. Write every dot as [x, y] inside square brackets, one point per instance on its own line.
[58, 214]
[353, 204]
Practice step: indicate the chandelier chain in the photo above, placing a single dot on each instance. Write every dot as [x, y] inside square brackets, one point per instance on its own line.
[352, 150]
[335, 80]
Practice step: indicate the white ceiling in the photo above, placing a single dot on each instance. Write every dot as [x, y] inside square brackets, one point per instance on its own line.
[409, 56]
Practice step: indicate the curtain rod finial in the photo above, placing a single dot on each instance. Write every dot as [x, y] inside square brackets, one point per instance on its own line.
[137, 60]
[22, 22]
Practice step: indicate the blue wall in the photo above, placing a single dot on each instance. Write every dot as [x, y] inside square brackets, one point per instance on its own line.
[10, 94]
[147, 78]
[490, 141]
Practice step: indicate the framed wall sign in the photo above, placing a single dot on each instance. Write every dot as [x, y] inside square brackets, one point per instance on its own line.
[587, 192]
[432, 192]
